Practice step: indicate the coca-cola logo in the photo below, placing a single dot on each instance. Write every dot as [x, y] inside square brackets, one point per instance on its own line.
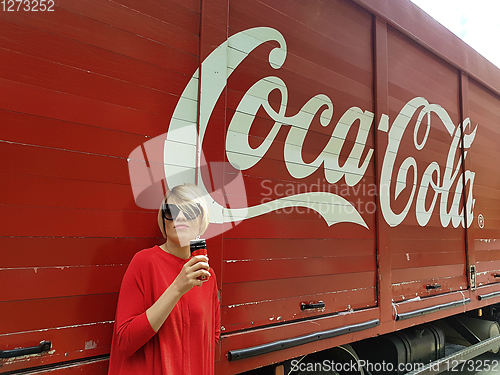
[183, 161]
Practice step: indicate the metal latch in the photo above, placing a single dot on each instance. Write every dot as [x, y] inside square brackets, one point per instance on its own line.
[472, 277]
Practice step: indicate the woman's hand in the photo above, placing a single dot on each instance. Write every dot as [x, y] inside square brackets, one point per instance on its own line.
[187, 278]
[191, 274]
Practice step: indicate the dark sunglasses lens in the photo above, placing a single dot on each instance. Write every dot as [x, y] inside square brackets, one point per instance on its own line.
[193, 212]
[171, 211]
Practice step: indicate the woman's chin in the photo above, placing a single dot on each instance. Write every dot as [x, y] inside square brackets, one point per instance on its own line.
[184, 240]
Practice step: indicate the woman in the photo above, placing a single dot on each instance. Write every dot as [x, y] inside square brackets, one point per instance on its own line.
[167, 318]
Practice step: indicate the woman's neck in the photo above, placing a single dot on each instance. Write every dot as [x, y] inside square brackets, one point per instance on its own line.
[171, 247]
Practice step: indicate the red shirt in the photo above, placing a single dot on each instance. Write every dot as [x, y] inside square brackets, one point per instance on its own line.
[185, 343]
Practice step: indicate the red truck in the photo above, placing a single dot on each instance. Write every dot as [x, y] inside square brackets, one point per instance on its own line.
[348, 150]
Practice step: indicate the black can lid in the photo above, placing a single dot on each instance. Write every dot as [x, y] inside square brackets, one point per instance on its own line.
[197, 244]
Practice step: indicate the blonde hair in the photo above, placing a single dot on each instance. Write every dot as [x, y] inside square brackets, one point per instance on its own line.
[183, 196]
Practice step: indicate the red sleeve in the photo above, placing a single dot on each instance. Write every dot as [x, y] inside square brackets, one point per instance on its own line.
[217, 314]
[133, 329]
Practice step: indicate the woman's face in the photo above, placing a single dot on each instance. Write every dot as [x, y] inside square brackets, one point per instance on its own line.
[182, 228]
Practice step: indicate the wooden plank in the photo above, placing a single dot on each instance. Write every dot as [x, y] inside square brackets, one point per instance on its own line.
[487, 277]
[171, 7]
[107, 37]
[411, 260]
[401, 246]
[51, 76]
[41, 161]
[306, 74]
[34, 252]
[243, 316]
[318, 16]
[277, 225]
[430, 233]
[68, 344]
[236, 249]
[48, 191]
[381, 98]
[34, 316]
[59, 281]
[483, 158]
[418, 288]
[68, 222]
[427, 273]
[486, 245]
[273, 333]
[239, 271]
[51, 133]
[344, 29]
[32, 100]
[492, 265]
[170, 24]
[67, 52]
[267, 290]
[411, 20]
[93, 366]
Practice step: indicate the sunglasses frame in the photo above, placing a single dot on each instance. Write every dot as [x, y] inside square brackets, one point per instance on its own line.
[175, 213]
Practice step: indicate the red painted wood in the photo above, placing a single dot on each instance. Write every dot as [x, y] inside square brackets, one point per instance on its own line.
[258, 336]
[30, 316]
[47, 103]
[276, 248]
[67, 251]
[25, 221]
[67, 52]
[60, 281]
[485, 233]
[313, 26]
[262, 290]
[79, 83]
[170, 24]
[419, 288]
[427, 259]
[285, 310]
[68, 344]
[422, 256]
[181, 8]
[48, 191]
[288, 268]
[82, 367]
[59, 163]
[412, 21]
[50, 133]
[105, 36]
[247, 304]
[84, 86]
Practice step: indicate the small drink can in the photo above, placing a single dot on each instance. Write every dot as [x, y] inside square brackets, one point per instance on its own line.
[198, 247]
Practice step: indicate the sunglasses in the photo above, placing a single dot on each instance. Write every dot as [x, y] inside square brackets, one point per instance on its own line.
[171, 211]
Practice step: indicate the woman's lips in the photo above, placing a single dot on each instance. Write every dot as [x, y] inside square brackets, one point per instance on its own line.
[181, 226]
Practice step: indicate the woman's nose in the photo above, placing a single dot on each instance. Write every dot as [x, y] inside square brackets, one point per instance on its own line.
[181, 215]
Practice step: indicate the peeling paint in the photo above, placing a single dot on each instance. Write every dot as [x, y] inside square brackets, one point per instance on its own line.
[35, 269]
[28, 357]
[487, 240]
[57, 328]
[91, 344]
